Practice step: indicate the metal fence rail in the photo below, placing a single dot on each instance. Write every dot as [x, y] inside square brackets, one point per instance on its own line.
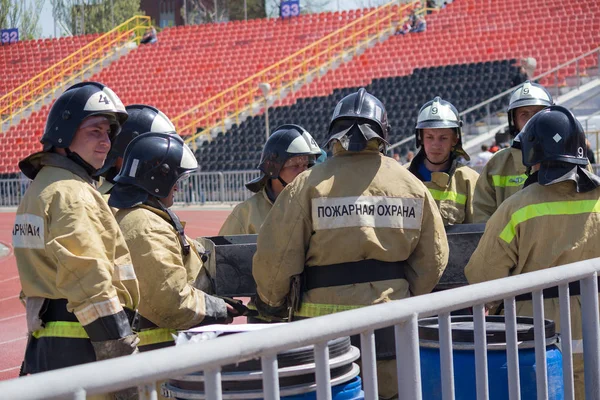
[201, 188]
[143, 370]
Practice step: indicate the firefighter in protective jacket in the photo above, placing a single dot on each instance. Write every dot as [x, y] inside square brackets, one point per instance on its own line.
[451, 183]
[360, 227]
[78, 283]
[289, 151]
[561, 194]
[504, 174]
[166, 261]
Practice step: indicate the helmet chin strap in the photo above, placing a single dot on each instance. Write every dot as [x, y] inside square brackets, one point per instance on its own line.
[185, 246]
[76, 158]
[284, 183]
[440, 163]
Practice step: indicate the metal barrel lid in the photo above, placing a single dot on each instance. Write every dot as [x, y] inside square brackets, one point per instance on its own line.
[462, 327]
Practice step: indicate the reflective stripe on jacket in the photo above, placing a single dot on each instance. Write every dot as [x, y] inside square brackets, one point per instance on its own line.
[74, 330]
[453, 191]
[540, 227]
[502, 176]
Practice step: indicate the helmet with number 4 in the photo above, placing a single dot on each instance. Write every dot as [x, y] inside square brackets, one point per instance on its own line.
[73, 106]
[77, 103]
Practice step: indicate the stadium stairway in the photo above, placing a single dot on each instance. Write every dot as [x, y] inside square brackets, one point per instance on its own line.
[187, 65]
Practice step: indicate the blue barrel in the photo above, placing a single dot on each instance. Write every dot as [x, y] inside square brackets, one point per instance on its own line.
[351, 390]
[464, 358]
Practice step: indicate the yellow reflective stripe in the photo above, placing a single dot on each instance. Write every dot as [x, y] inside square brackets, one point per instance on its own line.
[317, 310]
[61, 329]
[156, 335]
[543, 209]
[509, 180]
[446, 195]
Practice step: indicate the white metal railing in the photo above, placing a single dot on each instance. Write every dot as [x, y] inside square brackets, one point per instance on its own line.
[144, 370]
[201, 188]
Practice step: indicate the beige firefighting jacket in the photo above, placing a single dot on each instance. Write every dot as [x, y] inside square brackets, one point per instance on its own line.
[247, 217]
[502, 176]
[69, 246]
[452, 192]
[166, 277]
[541, 227]
[538, 228]
[354, 206]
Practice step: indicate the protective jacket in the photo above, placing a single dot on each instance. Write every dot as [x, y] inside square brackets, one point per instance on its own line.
[166, 276]
[502, 176]
[74, 266]
[363, 230]
[247, 217]
[541, 227]
[452, 191]
[356, 206]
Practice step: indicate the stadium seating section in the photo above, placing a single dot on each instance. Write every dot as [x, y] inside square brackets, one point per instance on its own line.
[463, 85]
[23, 60]
[462, 44]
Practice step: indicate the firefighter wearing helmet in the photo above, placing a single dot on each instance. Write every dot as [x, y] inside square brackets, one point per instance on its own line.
[166, 260]
[359, 227]
[142, 118]
[78, 284]
[450, 182]
[550, 222]
[289, 151]
[504, 174]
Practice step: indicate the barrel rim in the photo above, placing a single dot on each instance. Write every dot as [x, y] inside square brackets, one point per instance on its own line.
[429, 329]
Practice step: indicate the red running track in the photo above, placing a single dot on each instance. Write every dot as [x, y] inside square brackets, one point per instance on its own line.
[13, 329]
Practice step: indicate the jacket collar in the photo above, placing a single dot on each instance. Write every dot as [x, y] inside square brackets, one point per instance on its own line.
[372, 148]
[518, 159]
[160, 213]
[441, 179]
[35, 162]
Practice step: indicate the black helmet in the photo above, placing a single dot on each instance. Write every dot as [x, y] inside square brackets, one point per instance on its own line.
[528, 94]
[142, 119]
[358, 118]
[78, 102]
[553, 134]
[286, 142]
[439, 114]
[153, 163]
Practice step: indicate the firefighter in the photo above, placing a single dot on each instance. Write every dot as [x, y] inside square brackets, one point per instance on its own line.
[359, 227]
[504, 174]
[450, 182]
[166, 261]
[559, 194]
[142, 118]
[289, 151]
[78, 284]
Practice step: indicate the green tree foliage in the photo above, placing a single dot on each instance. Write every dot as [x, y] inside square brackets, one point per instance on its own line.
[255, 9]
[93, 16]
[23, 15]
